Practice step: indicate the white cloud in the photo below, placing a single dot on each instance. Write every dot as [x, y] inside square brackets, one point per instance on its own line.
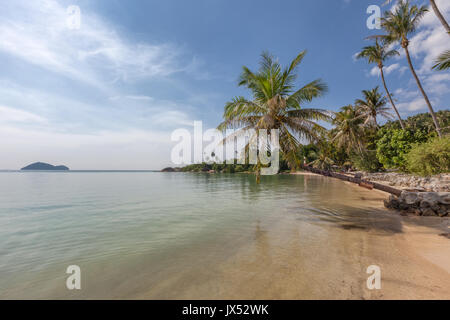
[36, 32]
[12, 115]
[431, 39]
[110, 128]
[426, 44]
[417, 104]
[375, 71]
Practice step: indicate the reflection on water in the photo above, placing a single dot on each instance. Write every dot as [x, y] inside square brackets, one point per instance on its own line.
[176, 235]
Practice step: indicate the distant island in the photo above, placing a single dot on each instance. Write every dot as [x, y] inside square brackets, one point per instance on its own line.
[45, 167]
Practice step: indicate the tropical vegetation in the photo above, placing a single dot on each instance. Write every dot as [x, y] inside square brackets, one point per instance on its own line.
[363, 135]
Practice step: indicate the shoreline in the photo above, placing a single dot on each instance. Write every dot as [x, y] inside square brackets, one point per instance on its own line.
[275, 264]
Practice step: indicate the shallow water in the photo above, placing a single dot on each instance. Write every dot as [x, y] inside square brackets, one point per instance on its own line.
[182, 235]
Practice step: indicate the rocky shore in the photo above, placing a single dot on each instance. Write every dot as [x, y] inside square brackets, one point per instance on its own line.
[438, 183]
[421, 203]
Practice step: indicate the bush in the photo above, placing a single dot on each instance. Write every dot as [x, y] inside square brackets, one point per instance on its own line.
[394, 144]
[366, 161]
[432, 157]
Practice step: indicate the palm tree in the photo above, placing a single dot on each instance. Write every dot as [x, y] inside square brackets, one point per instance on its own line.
[440, 16]
[443, 61]
[348, 129]
[323, 159]
[437, 12]
[378, 54]
[373, 105]
[275, 104]
[399, 24]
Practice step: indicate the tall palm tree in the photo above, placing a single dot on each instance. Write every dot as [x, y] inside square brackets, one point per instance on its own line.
[437, 12]
[440, 16]
[373, 105]
[276, 104]
[399, 24]
[378, 54]
[348, 129]
[443, 61]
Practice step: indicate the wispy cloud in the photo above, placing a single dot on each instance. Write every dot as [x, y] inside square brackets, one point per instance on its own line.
[37, 32]
[425, 46]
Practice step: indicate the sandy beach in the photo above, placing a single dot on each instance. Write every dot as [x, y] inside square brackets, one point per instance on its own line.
[287, 261]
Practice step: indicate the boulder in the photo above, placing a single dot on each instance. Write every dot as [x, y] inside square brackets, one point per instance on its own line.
[444, 198]
[430, 196]
[428, 212]
[425, 204]
[410, 197]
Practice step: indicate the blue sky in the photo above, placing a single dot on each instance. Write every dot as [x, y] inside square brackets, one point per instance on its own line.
[109, 94]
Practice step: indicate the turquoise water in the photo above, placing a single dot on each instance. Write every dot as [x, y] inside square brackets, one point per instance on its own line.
[131, 232]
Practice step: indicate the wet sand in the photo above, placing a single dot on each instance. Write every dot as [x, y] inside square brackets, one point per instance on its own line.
[290, 260]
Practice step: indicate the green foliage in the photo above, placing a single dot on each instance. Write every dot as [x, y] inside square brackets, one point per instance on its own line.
[432, 157]
[443, 61]
[366, 161]
[277, 103]
[424, 122]
[218, 167]
[394, 144]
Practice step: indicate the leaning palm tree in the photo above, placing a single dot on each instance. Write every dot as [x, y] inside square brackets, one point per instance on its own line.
[443, 61]
[348, 129]
[378, 54]
[373, 105]
[276, 104]
[437, 12]
[399, 24]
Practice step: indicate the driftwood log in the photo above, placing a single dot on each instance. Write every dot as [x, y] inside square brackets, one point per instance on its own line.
[361, 182]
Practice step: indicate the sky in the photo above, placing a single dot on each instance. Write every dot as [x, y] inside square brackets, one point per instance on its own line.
[108, 95]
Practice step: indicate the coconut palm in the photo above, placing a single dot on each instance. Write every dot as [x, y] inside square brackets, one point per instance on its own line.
[378, 53]
[348, 129]
[440, 16]
[373, 105]
[443, 61]
[399, 24]
[323, 159]
[437, 12]
[276, 104]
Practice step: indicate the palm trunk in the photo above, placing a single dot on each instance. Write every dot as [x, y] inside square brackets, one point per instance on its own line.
[390, 99]
[258, 172]
[440, 16]
[430, 108]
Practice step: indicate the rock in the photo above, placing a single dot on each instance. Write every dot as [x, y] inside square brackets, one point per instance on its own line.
[436, 208]
[428, 212]
[410, 197]
[392, 198]
[358, 175]
[417, 212]
[442, 213]
[395, 204]
[444, 198]
[425, 204]
[403, 206]
[431, 197]
[387, 204]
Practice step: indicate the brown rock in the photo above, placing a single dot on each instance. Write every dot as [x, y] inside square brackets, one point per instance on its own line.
[428, 212]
